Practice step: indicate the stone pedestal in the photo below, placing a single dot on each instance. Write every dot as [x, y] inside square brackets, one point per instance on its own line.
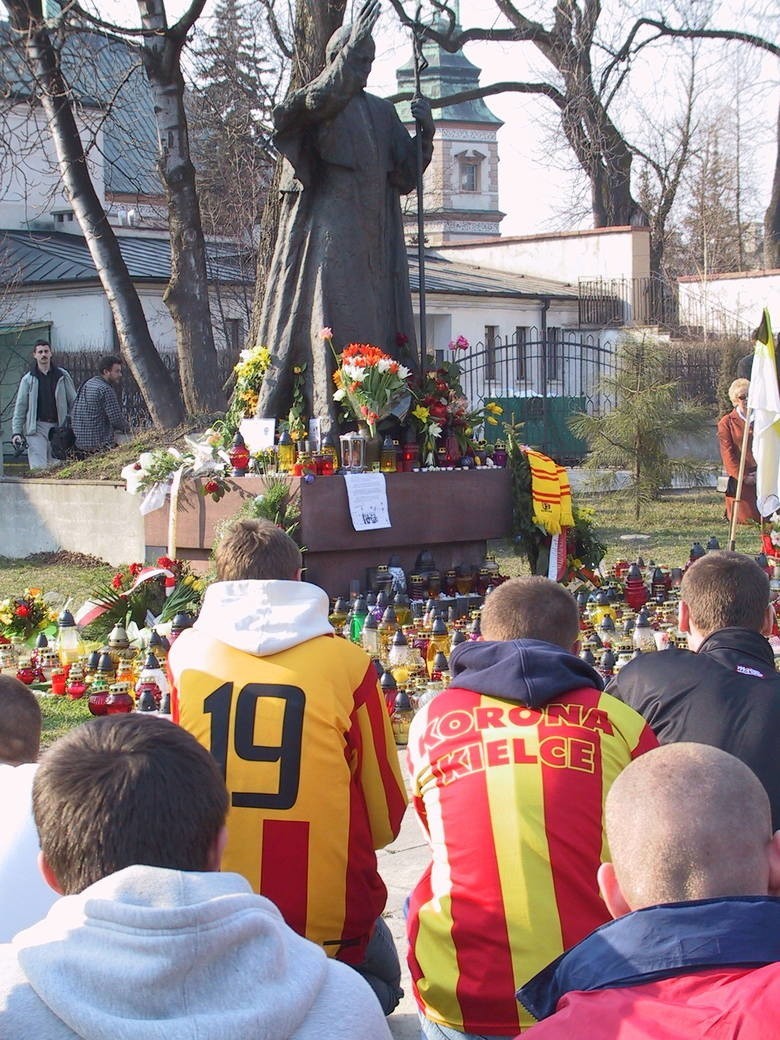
[452, 512]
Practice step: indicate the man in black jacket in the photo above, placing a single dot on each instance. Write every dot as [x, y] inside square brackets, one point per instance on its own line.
[724, 690]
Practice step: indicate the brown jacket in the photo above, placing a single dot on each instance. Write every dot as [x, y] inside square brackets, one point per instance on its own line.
[730, 432]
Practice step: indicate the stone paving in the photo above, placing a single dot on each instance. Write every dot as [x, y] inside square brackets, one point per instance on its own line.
[401, 865]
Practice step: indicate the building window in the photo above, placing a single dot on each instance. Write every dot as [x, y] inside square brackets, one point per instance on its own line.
[470, 175]
[554, 354]
[521, 341]
[491, 345]
[234, 333]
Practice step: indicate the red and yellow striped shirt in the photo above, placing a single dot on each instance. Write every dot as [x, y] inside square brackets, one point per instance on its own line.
[309, 760]
[512, 799]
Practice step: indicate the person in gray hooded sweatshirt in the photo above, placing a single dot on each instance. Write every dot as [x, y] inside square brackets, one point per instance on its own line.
[149, 939]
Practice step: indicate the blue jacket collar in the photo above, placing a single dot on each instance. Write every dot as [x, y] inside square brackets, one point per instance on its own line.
[660, 942]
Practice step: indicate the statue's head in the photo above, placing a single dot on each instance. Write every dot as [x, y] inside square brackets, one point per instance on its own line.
[362, 56]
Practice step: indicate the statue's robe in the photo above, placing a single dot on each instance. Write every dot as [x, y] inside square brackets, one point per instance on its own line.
[340, 258]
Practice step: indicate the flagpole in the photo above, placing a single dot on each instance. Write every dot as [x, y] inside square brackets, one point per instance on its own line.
[740, 479]
[420, 64]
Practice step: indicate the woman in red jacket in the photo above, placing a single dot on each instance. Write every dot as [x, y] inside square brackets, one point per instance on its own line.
[731, 430]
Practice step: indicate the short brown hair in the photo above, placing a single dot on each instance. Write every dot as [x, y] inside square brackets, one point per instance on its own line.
[20, 722]
[122, 790]
[725, 590]
[531, 608]
[107, 362]
[256, 549]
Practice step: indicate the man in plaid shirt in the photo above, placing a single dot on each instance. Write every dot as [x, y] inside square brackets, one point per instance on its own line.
[96, 414]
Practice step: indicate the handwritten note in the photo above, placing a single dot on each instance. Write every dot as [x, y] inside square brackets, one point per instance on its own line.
[367, 495]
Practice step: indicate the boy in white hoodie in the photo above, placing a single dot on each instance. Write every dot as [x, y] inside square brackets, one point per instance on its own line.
[150, 940]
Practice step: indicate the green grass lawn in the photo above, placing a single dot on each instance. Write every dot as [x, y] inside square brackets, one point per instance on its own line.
[59, 715]
[672, 525]
[63, 575]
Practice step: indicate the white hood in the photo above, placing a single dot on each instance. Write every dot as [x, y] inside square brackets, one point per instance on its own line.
[153, 954]
[264, 617]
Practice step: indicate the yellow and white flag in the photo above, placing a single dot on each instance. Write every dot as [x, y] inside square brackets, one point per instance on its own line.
[764, 406]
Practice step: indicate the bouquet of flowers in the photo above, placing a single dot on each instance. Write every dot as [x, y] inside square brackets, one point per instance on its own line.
[370, 383]
[23, 616]
[443, 405]
[248, 372]
[136, 591]
[152, 474]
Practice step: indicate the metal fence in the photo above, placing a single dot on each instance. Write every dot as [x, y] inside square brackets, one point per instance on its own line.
[688, 309]
[543, 377]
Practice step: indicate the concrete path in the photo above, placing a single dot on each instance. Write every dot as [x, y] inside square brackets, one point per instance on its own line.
[401, 865]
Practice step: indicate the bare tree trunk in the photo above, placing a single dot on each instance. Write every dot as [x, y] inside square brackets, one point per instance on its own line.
[187, 294]
[772, 215]
[315, 23]
[138, 350]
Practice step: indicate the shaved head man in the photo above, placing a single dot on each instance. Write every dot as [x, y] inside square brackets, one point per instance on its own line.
[693, 838]
[692, 885]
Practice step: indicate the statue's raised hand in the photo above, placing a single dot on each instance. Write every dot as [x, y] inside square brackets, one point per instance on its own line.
[421, 110]
[366, 20]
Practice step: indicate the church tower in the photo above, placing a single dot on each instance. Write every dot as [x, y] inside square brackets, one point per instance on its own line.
[461, 184]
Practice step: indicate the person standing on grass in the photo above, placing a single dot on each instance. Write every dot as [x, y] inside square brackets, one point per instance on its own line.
[43, 401]
[731, 430]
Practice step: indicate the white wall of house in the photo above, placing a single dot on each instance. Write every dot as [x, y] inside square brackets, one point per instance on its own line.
[730, 302]
[80, 315]
[622, 252]
[450, 316]
[30, 183]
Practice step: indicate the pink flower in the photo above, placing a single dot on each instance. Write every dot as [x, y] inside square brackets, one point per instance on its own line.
[461, 343]
[326, 333]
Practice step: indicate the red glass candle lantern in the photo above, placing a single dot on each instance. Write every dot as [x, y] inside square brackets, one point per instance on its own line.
[58, 680]
[389, 690]
[147, 695]
[452, 452]
[119, 700]
[25, 673]
[635, 591]
[98, 695]
[76, 686]
[239, 456]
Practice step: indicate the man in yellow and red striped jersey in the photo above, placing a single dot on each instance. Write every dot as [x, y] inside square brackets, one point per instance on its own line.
[510, 768]
[296, 719]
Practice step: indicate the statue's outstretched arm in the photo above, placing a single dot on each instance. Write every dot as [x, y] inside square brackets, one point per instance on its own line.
[327, 94]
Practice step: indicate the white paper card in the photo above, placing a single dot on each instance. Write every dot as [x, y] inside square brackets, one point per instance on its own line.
[315, 434]
[367, 494]
[258, 433]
